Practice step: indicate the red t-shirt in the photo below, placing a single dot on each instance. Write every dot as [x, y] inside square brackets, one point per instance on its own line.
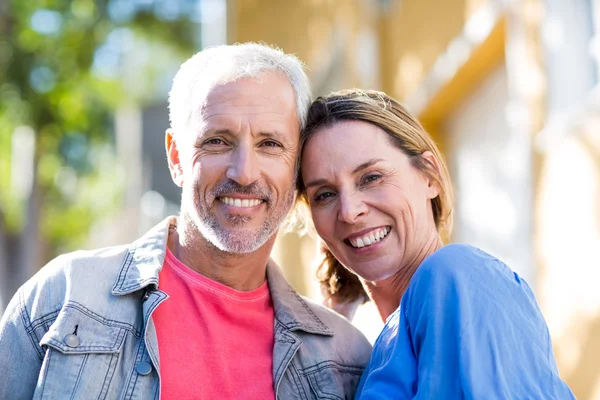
[214, 342]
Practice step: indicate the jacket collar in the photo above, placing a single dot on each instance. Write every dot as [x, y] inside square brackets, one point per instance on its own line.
[291, 310]
[145, 258]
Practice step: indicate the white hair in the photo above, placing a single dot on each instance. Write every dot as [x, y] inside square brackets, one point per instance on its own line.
[227, 63]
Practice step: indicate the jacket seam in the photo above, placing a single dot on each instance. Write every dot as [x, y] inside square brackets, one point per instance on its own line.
[146, 318]
[281, 366]
[105, 321]
[139, 285]
[78, 380]
[350, 369]
[44, 319]
[45, 371]
[109, 375]
[322, 393]
[323, 327]
[81, 349]
[25, 319]
[125, 269]
[157, 390]
[297, 381]
[133, 375]
[283, 329]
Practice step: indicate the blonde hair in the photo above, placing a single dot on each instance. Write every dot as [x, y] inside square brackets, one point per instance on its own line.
[406, 133]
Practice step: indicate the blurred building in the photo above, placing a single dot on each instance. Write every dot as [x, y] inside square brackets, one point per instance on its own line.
[509, 89]
[510, 92]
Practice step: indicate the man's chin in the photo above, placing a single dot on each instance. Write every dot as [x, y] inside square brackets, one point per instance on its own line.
[240, 241]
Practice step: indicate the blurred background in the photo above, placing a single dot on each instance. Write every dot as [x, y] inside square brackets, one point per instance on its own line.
[509, 89]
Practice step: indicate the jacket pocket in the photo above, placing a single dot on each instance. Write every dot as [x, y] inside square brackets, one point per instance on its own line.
[82, 351]
[330, 380]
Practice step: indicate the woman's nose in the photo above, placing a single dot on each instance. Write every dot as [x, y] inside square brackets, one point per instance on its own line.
[352, 208]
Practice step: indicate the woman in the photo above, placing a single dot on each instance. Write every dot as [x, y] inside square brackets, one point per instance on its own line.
[459, 323]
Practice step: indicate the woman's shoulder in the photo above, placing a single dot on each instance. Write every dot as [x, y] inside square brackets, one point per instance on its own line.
[460, 255]
[457, 264]
[468, 281]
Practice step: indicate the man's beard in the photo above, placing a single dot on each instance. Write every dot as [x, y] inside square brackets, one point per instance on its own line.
[197, 211]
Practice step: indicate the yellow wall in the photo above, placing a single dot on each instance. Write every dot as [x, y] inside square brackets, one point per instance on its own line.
[320, 32]
[412, 35]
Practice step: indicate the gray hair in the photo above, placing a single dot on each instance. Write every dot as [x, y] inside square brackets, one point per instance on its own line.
[227, 63]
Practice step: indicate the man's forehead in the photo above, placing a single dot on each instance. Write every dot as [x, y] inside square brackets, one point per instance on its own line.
[247, 95]
[230, 89]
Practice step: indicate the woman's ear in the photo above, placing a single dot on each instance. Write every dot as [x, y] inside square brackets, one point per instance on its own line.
[433, 187]
[173, 158]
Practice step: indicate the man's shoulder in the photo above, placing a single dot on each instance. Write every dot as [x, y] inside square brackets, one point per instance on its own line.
[346, 337]
[83, 262]
[323, 331]
[73, 276]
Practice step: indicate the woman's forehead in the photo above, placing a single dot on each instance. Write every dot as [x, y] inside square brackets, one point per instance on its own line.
[349, 138]
[345, 146]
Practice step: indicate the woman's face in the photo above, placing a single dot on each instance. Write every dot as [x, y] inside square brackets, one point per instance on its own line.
[368, 203]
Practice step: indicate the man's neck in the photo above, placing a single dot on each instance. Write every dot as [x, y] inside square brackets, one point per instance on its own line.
[242, 272]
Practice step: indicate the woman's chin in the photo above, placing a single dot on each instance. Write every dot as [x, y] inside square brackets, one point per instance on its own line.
[373, 272]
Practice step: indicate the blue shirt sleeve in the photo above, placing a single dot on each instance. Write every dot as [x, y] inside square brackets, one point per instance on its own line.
[474, 331]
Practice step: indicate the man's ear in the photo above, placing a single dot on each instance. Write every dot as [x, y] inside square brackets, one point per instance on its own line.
[173, 158]
[434, 189]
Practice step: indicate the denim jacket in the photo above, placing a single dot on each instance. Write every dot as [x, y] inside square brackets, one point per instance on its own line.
[82, 328]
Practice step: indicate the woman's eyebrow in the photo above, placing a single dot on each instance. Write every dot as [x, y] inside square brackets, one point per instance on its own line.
[361, 167]
[366, 165]
[316, 182]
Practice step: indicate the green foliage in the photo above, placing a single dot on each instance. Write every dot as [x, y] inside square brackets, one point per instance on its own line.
[49, 81]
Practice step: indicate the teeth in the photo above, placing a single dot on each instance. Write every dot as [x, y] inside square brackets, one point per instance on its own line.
[370, 238]
[239, 202]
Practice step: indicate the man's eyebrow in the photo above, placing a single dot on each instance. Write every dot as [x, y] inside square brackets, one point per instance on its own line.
[219, 131]
[212, 132]
[273, 135]
[226, 131]
[215, 131]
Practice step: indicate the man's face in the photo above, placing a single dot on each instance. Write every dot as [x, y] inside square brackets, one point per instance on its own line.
[236, 162]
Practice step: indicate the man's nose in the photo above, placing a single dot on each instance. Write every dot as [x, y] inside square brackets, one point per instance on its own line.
[244, 167]
[352, 207]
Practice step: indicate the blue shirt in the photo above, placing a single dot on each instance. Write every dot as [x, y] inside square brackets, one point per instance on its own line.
[467, 327]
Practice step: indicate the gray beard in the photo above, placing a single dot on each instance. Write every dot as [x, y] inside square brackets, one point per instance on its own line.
[234, 241]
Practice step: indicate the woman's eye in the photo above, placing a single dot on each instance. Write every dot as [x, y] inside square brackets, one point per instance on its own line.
[371, 178]
[323, 196]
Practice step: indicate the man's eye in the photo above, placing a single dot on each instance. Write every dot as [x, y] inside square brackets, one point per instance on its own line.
[270, 143]
[215, 142]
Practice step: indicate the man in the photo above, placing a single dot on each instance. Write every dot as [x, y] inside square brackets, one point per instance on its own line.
[195, 308]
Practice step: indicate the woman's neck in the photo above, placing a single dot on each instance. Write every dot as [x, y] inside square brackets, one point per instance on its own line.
[387, 293]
